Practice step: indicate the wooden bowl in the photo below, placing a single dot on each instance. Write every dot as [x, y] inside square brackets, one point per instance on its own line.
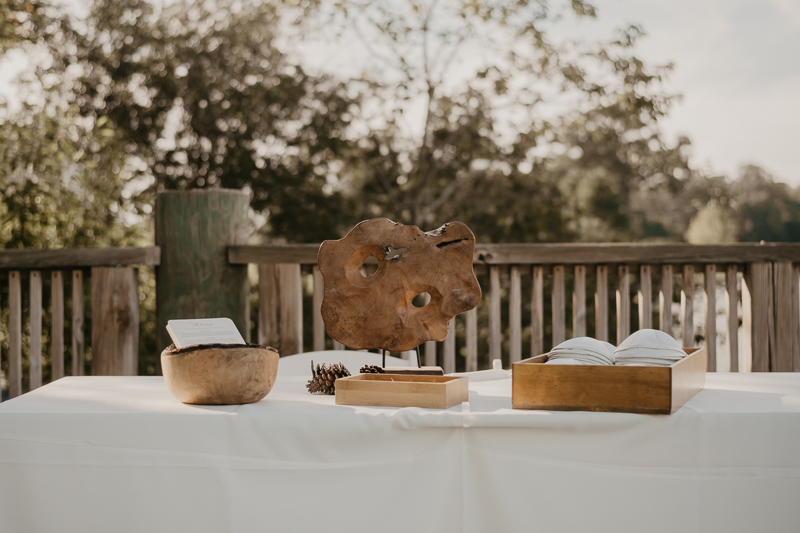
[220, 374]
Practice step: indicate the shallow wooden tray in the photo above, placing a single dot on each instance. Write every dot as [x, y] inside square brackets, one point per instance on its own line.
[625, 389]
[392, 390]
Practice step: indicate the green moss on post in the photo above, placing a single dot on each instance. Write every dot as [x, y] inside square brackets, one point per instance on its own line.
[194, 229]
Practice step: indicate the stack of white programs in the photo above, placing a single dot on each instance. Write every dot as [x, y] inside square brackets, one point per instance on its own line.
[649, 347]
[581, 351]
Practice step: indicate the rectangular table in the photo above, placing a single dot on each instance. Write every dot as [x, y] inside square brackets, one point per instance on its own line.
[121, 454]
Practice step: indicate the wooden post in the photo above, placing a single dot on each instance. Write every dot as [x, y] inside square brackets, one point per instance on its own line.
[781, 356]
[194, 229]
[623, 304]
[796, 318]
[645, 298]
[755, 316]
[537, 312]
[319, 326]
[35, 325]
[559, 306]
[710, 295]
[732, 315]
[280, 307]
[687, 306]
[115, 321]
[78, 347]
[515, 316]
[472, 342]
[579, 302]
[601, 304]
[14, 334]
[495, 337]
[57, 323]
[665, 300]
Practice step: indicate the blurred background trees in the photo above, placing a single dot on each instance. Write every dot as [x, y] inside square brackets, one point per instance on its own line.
[460, 110]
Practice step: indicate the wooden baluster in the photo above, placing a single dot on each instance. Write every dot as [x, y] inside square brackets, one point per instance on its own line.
[710, 296]
[579, 302]
[781, 356]
[645, 297]
[319, 325]
[559, 306]
[687, 306]
[665, 300]
[269, 332]
[449, 349]
[796, 318]
[732, 316]
[755, 317]
[472, 341]
[35, 325]
[290, 318]
[14, 334]
[623, 303]
[495, 340]
[78, 345]
[115, 321]
[537, 312]
[57, 324]
[338, 345]
[601, 304]
[515, 316]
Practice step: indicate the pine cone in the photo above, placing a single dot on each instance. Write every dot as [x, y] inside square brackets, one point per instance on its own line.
[372, 369]
[324, 377]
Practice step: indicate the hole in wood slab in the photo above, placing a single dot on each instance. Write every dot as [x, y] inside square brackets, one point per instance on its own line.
[421, 299]
[393, 254]
[448, 243]
[369, 267]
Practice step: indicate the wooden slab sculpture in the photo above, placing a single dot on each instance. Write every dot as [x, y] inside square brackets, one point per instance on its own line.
[378, 311]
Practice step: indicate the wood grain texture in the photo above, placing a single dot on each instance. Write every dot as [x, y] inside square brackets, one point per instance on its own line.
[115, 321]
[377, 311]
[515, 315]
[449, 349]
[194, 229]
[318, 324]
[601, 304]
[623, 303]
[732, 316]
[220, 374]
[579, 302]
[796, 318]
[14, 334]
[290, 305]
[645, 297]
[472, 340]
[559, 306]
[781, 356]
[78, 343]
[710, 298]
[35, 328]
[687, 306]
[561, 254]
[78, 257]
[269, 333]
[629, 389]
[57, 324]
[537, 311]
[755, 322]
[495, 337]
[665, 300]
[430, 392]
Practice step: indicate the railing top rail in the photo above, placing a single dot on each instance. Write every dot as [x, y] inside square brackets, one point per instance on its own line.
[560, 254]
[79, 257]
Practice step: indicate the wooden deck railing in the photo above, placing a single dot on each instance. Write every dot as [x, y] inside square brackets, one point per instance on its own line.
[759, 279]
[114, 303]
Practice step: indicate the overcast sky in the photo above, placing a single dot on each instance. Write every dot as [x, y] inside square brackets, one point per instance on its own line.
[737, 65]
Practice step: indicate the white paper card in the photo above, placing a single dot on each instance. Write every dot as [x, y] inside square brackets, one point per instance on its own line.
[204, 331]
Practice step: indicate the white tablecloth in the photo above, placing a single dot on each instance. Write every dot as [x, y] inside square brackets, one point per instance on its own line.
[119, 454]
